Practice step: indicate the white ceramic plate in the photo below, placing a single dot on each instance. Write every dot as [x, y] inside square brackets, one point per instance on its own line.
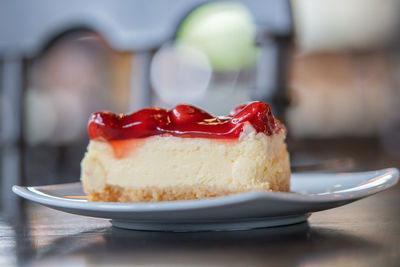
[312, 192]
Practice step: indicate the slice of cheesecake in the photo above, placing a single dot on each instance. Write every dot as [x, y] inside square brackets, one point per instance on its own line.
[184, 153]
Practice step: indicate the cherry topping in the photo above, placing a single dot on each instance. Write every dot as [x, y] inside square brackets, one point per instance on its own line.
[105, 125]
[182, 121]
[258, 114]
[182, 114]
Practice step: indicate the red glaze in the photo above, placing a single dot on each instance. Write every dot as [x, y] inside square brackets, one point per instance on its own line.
[182, 121]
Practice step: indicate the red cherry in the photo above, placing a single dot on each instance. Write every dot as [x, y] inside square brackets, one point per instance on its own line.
[104, 124]
[183, 114]
[144, 122]
[258, 114]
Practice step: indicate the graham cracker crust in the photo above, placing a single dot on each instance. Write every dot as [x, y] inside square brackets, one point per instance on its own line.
[114, 193]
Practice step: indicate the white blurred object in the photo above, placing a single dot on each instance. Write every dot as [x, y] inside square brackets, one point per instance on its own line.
[180, 73]
[41, 118]
[53, 118]
[345, 24]
[71, 116]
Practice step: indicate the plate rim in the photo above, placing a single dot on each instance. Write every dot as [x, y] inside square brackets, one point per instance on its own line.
[387, 178]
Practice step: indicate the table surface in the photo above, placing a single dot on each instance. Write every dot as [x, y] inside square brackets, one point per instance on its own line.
[364, 233]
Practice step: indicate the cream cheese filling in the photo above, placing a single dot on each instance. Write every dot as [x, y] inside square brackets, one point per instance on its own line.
[252, 161]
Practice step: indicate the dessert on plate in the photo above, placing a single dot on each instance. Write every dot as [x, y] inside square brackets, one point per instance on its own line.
[184, 153]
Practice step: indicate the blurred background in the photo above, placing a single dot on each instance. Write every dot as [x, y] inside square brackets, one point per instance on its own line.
[330, 70]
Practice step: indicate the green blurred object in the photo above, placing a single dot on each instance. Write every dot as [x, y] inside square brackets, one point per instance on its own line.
[225, 32]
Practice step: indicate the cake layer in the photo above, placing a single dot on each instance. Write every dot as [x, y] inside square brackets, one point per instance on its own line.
[169, 168]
